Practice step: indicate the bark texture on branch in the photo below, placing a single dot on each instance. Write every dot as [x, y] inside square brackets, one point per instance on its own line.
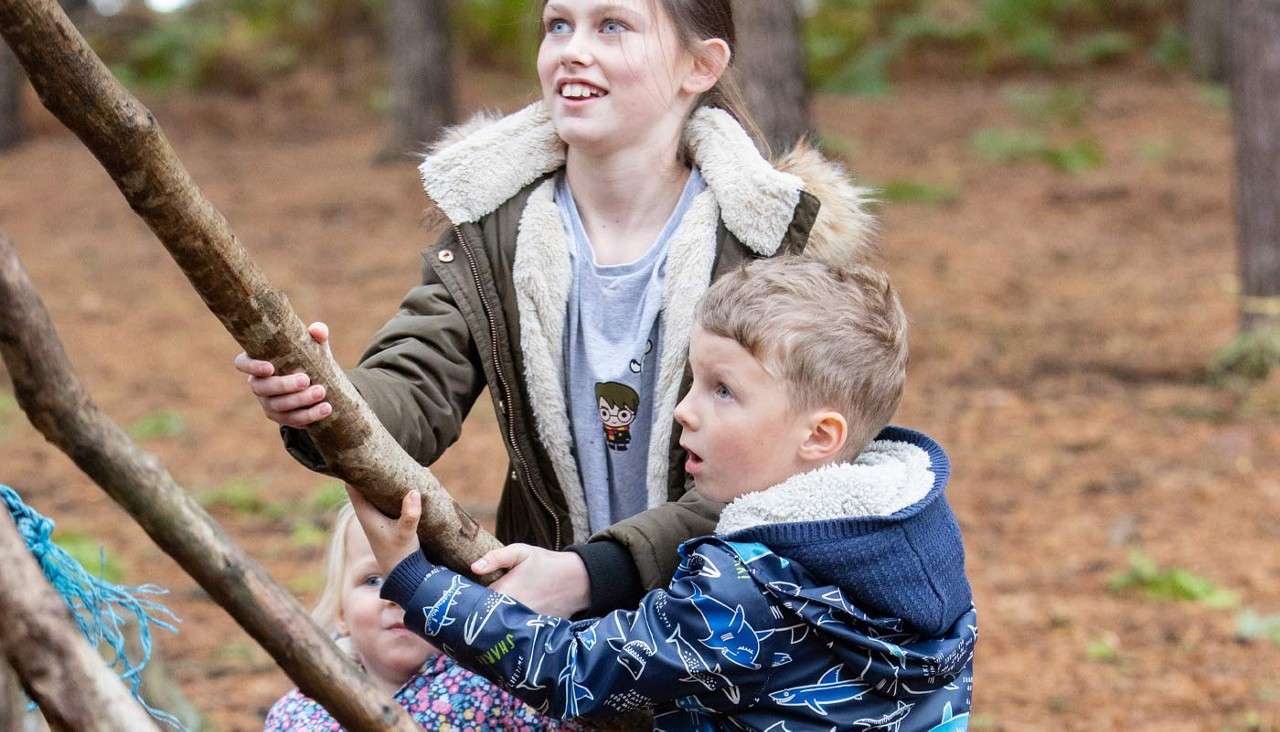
[60, 408]
[78, 89]
[68, 680]
[1255, 100]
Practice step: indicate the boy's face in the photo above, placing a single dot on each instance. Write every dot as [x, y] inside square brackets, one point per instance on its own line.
[738, 427]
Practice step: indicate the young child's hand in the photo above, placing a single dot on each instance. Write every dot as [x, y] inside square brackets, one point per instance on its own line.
[288, 400]
[551, 583]
[392, 540]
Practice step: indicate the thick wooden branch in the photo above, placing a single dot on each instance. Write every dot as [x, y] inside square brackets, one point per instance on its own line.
[58, 405]
[78, 89]
[56, 666]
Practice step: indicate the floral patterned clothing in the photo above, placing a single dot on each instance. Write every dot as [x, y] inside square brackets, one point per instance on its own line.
[442, 696]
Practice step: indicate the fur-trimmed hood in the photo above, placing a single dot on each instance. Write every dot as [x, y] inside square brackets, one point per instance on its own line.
[879, 529]
[480, 164]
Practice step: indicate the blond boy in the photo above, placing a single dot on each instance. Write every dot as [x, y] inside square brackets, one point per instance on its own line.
[832, 593]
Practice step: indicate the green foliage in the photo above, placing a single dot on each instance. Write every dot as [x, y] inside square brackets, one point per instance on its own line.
[1102, 650]
[329, 497]
[1104, 47]
[231, 45]
[1006, 146]
[308, 535]
[241, 495]
[499, 33]
[1216, 96]
[157, 425]
[1156, 150]
[8, 412]
[1251, 356]
[306, 584]
[1172, 584]
[1250, 626]
[1171, 49]
[89, 553]
[910, 191]
[854, 44]
[1063, 105]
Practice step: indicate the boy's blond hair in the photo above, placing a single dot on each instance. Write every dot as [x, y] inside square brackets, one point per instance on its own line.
[835, 335]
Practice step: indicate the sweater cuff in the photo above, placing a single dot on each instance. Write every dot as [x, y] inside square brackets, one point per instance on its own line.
[615, 581]
[399, 586]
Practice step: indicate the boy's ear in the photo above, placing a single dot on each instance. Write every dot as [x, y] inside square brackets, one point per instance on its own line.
[708, 66]
[828, 432]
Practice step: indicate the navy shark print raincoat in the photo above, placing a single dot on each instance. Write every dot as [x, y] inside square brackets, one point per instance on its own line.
[875, 632]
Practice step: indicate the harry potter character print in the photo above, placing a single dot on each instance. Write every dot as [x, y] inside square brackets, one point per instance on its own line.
[618, 404]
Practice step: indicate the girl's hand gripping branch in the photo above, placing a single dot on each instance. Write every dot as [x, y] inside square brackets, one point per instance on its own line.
[289, 400]
[392, 540]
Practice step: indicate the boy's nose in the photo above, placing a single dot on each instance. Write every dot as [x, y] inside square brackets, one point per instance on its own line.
[684, 414]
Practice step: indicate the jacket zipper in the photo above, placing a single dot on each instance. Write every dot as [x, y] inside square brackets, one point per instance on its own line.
[502, 383]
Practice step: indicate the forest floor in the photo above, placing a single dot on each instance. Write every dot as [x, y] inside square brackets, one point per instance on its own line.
[1062, 324]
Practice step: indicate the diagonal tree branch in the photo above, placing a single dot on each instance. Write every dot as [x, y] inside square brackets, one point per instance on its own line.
[78, 89]
[58, 405]
[65, 677]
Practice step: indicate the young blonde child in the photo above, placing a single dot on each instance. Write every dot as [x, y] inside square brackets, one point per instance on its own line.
[582, 231]
[432, 687]
[832, 594]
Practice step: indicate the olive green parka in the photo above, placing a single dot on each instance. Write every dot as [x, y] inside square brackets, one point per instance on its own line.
[490, 311]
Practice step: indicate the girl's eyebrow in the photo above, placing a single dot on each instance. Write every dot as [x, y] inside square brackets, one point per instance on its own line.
[609, 9]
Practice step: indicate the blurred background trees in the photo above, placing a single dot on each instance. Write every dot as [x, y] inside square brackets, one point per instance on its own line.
[1255, 94]
[420, 73]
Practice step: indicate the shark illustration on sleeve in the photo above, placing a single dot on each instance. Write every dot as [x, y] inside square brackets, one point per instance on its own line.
[729, 631]
[437, 615]
[949, 723]
[828, 691]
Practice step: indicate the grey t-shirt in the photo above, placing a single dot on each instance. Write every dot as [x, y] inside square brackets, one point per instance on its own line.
[611, 345]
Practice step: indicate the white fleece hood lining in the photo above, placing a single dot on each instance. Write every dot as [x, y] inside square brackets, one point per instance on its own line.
[887, 477]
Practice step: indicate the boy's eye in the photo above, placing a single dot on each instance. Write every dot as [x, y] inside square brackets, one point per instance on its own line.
[722, 392]
[612, 26]
[557, 25]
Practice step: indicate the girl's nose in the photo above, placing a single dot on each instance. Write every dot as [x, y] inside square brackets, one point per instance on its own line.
[576, 51]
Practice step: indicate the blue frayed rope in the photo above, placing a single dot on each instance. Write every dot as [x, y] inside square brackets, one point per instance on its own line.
[100, 608]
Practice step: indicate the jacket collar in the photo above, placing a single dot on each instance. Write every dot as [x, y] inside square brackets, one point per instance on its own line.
[887, 477]
[475, 171]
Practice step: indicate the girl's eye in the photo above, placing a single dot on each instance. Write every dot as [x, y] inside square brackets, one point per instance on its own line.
[373, 580]
[722, 392]
[557, 25]
[612, 26]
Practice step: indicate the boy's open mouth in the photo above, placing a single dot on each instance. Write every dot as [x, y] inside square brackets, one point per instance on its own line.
[694, 463]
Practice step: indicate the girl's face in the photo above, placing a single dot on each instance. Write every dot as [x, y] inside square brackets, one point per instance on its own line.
[613, 73]
[389, 652]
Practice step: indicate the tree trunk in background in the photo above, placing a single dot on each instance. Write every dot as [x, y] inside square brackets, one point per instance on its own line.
[1208, 31]
[11, 85]
[1255, 100]
[422, 98]
[771, 69]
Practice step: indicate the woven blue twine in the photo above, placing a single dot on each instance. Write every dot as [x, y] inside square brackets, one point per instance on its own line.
[101, 609]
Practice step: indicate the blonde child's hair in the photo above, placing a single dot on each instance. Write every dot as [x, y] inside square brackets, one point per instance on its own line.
[328, 608]
[836, 335]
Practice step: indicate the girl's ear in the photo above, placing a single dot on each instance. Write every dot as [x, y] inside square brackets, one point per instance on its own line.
[709, 64]
[827, 434]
